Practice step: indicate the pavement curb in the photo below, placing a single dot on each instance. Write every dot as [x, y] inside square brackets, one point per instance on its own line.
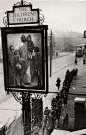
[59, 56]
[80, 94]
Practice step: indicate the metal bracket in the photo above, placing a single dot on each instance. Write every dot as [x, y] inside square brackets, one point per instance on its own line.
[17, 96]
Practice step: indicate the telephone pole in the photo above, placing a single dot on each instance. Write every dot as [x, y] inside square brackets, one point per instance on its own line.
[51, 53]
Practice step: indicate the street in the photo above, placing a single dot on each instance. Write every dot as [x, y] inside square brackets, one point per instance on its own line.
[59, 68]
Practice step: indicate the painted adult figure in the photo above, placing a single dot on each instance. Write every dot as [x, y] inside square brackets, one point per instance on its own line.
[22, 48]
[11, 66]
[30, 49]
[30, 44]
[38, 65]
[58, 83]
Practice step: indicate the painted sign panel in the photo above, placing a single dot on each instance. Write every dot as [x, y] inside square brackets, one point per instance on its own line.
[23, 54]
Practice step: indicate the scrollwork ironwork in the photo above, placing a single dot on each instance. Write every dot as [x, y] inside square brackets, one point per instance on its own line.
[17, 96]
[41, 19]
[5, 21]
[17, 4]
[23, 2]
[26, 3]
[36, 95]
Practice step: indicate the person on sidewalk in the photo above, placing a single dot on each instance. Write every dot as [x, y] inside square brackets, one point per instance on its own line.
[65, 121]
[76, 71]
[84, 61]
[76, 61]
[58, 83]
[45, 119]
[65, 99]
[36, 129]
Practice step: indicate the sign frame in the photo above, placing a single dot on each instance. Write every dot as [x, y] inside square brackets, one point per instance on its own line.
[42, 29]
[14, 7]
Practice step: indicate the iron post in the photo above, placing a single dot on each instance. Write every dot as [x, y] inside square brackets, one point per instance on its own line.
[21, 2]
[26, 113]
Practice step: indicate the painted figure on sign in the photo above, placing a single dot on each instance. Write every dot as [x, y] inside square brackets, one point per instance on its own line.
[11, 66]
[36, 67]
[30, 46]
[20, 68]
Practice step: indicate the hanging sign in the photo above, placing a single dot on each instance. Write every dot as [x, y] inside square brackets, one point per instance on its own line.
[24, 56]
[23, 14]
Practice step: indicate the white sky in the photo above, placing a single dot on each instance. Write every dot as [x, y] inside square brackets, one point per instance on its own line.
[59, 15]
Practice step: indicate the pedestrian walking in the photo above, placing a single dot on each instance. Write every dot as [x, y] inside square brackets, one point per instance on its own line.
[65, 121]
[35, 120]
[46, 111]
[45, 118]
[44, 123]
[76, 61]
[58, 111]
[67, 72]
[53, 103]
[65, 99]
[57, 97]
[84, 61]
[50, 123]
[36, 129]
[58, 83]
[76, 71]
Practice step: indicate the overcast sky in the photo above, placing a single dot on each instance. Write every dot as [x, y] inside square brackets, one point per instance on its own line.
[59, 15]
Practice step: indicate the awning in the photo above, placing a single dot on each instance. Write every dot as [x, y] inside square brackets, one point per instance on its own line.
[78, 99]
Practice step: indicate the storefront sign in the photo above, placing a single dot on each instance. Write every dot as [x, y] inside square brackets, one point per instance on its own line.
[22, 15]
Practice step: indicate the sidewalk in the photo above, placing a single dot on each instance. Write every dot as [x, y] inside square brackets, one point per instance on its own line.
[10, 109]
[76, 90]
[60, 54]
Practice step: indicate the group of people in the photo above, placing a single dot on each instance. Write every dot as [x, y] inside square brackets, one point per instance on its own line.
[66, 84]
[25, 63]
[52, 116]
